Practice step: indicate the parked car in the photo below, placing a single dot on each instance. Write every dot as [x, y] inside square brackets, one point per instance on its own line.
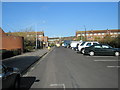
[84, 44]
[101, 49]
[74, 44]
[67, 43]
[76, 48]
[10, 77]
[57, 45]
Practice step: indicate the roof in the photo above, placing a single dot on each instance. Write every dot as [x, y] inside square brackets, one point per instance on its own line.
[29, 32]
[54, 38]
[2, 32]
[99, 31]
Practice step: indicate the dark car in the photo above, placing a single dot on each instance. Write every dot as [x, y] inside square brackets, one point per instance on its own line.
[101, 49]
[10, 77]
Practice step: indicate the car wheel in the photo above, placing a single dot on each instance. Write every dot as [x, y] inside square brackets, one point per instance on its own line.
[82, 51]
[91, 53]
[117, 53]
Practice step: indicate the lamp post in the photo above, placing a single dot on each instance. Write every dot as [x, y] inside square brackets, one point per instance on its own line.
[36, 35]
[85, 32]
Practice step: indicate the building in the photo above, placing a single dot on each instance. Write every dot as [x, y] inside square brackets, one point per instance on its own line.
[59, 40]
[28, 35]
[99, 34]
[69, 38]
[42, 40]
[11, 42]
[53, 40]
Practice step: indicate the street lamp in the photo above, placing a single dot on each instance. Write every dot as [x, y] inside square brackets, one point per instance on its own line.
[36, 35]
[85, 32]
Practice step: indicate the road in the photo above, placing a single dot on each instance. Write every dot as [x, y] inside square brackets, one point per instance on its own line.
[64, 68]
[24, 61]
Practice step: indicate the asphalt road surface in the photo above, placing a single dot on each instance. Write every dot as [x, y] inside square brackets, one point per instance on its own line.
[64, 68]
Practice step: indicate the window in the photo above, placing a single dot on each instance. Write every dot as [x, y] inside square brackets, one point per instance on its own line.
[95, 34]
[103, 33]
[27, 35]
[83, 34]
[111, 33]
[97, 46]
[115, 32]
[78, 35]
[40, 35]
[105, 46]
[99, 33]
[88, 44]
[82, 44]
[95, 43]
[91, 34]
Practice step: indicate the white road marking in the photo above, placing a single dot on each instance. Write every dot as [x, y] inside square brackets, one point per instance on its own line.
[99, 56]
[113, 66]
[105, 60]
[55, 85]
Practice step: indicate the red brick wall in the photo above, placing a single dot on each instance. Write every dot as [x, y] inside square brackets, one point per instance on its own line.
[12, 43]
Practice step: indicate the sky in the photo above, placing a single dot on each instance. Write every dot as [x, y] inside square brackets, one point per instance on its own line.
[60, 0]
[58, 19]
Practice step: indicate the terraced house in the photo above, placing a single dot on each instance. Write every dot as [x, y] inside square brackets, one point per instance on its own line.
[98, 34]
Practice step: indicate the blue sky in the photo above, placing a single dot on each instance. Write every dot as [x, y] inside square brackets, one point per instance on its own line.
[59, 18]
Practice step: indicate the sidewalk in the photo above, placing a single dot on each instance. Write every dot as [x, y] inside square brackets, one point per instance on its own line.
[24, 61]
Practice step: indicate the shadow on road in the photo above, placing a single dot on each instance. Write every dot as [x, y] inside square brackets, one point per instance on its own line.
[22, 63]
[27, 82]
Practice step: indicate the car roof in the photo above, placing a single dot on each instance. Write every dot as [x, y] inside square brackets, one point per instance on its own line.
[91, 42]
[100, 44]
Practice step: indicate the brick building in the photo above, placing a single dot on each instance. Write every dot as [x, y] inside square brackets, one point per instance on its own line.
[10, 42]
[43, 40]
[53, 40]
[92, 34]
[59, 40]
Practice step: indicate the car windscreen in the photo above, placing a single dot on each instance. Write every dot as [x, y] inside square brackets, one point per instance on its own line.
[82, 44]
[88, 44]
[95, 43]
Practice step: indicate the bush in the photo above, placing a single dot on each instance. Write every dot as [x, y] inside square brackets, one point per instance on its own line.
[112, 41]
[10, 53]
[29, 48]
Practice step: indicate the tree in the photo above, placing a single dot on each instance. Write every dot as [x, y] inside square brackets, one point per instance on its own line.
[112, 41]
[80, 38]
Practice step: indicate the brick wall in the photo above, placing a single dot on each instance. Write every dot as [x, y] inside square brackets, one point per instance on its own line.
[10, 42]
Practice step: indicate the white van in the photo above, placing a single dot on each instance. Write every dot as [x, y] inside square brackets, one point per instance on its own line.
[74, 44]
[84, 44]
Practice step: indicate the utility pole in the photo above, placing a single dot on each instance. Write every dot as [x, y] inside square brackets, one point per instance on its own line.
[85, 32]
[92, 34]
[81, 35]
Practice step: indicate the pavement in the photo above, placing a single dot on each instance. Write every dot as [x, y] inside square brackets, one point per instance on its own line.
[64, 68]
[24, 61]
